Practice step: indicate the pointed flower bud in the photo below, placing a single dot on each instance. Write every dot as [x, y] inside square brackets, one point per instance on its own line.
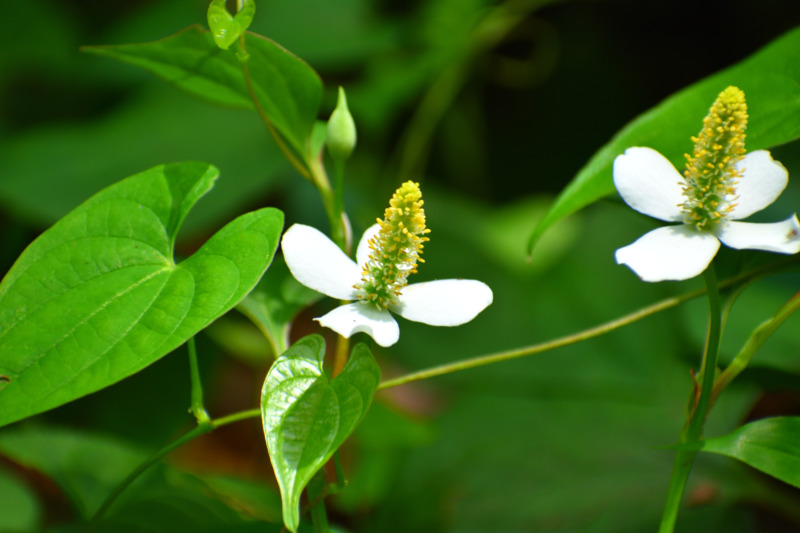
[341, 139]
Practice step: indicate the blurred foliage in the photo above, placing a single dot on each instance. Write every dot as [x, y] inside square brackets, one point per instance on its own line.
[494, 117]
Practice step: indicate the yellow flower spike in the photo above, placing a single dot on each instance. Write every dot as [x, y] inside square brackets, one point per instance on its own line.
[718, 148]
[720, 186]
[396, 248]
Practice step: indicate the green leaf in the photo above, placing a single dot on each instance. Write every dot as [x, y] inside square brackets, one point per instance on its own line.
[771, 445]
[308, 416]
[274, 303]
[287, 89]
[98, 296]
[770, 80]
[225, 27]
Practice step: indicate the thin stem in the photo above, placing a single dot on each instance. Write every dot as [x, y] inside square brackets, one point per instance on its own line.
[602, 329]
[340, 228]
[696, 417]
[139, 470]
[197, 408]
[340, 357]
[201, 429]
[544, 346]
[759, 336]
[316, 490]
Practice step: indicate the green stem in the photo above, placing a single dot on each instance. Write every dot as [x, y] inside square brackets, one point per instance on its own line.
[201, 429]
[698, 411]
[197, 408]
[544, 346]
[316, 490]
[340, 228]
[582, 335]
[757, 338]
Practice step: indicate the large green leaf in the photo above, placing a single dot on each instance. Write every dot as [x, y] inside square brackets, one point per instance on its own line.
[771, 445]
[98, 296]
[307, 416]
[288, 90]
[770, 80]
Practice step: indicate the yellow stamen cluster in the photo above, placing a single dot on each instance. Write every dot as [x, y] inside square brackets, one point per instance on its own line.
[396, 248]
[710, 175]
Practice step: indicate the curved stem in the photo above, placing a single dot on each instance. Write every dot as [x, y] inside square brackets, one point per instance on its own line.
[201, 429]
[693, 429]
[197, 407]
[544, 346]
[596, 331]
[757, 338]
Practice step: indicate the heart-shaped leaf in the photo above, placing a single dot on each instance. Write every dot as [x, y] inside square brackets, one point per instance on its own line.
[225, 27]
[771, 445]
[287, 89]
[770, 80]
[98, 296]
[308, 416]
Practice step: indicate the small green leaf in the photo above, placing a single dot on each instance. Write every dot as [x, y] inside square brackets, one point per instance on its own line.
[287, 89]
[770, 80]
[274, 303]
[98, 296]
[225, 27]
[307, 416]
[771, 445]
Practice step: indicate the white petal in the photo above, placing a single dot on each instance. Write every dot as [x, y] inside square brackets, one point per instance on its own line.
[763, 180]
[649, 183]
[316, 262]
[781, 237]
[447, 302]
[363, 250]
[358, 317]
[669, 253]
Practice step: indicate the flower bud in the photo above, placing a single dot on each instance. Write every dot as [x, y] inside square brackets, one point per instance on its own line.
[341, 138]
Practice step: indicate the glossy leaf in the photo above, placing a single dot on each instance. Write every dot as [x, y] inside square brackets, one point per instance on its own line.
[226, 28]
[98, 296]
[771, 445]
[770, 80]
[287, 89]
[307, 416]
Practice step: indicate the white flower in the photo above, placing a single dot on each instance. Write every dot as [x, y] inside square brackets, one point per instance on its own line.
[316, 262]
[649, 183]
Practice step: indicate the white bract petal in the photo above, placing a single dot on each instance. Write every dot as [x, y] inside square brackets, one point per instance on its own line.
[449, 302]
[363, 250]
[316, 262]
[349, 319]
[649, 183]
[669, 253]
[763, 180]
[781, 237]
